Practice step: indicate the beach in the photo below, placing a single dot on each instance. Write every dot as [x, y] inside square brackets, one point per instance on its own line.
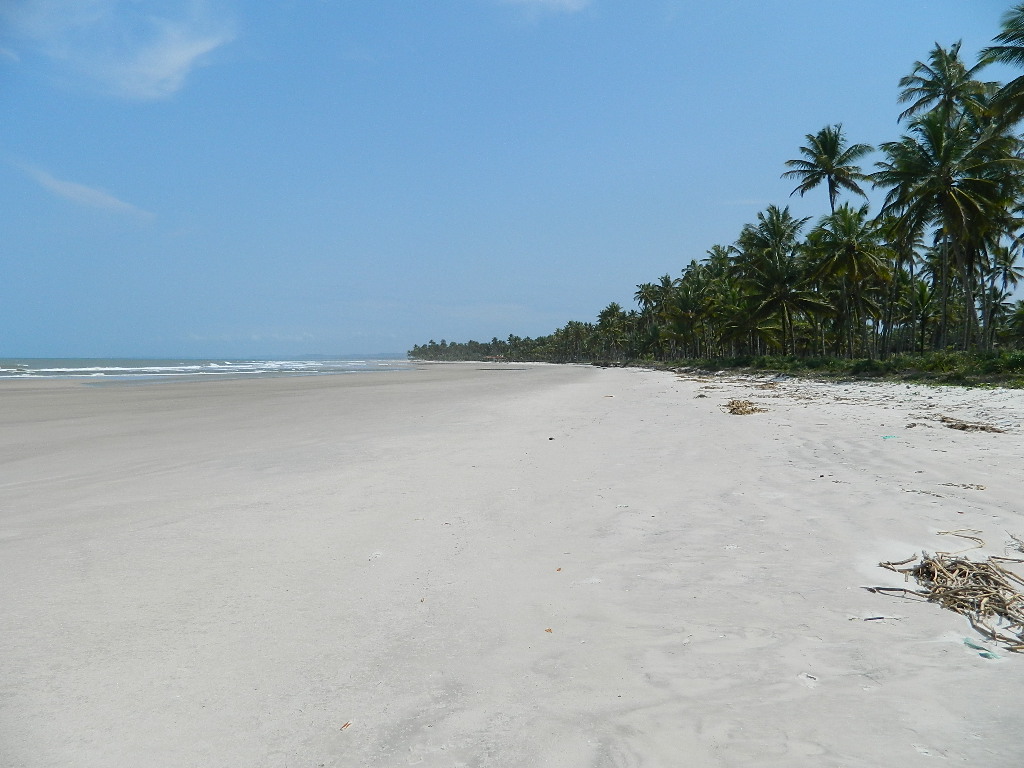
[498, 565]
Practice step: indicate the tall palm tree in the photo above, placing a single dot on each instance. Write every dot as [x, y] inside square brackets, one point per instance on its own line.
[647, 297]
[1015, 324]
[850, 245]
[903, 245]
[775, 234]
[612, 329]
[827, 159]
[848, 250]
[1009, 50]
[948, 175]
[778, 287]
[775, 279]
[922, 307]
[944, 83]
[1005, 267]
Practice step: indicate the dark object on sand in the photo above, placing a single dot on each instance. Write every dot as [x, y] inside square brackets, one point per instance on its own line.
[966, 426]
[986, 592]
[742, 408]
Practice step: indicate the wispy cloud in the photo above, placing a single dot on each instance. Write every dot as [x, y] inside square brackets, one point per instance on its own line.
[80, 194]
[125, 47]
[569, 6]
[747, 202]
[6, 53]
[160, 67]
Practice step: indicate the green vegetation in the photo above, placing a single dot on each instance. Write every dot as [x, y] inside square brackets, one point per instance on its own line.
[923, 288]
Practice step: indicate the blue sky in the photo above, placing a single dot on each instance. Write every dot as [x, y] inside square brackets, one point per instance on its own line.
[234, 179]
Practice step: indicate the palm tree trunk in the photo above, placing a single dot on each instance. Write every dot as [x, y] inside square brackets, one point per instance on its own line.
[944, 309]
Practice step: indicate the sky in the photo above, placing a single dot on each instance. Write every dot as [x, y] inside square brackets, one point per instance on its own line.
[219, 178]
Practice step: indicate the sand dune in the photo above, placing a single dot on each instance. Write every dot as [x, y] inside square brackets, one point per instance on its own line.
[497, 565]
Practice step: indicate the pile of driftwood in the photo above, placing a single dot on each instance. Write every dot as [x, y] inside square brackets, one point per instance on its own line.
[743, 408]
[967, 426]
[986, 592]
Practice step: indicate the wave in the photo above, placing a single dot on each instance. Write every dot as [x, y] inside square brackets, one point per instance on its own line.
[71, 368]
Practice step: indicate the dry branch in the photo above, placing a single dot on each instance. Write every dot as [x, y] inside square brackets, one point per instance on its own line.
[986, 592]
[966, 426]
[742, 408]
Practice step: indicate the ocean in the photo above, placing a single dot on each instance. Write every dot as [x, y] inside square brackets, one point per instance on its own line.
[132, 369]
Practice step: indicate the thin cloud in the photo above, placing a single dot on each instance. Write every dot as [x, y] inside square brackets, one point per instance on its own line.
[80, 194]
[6, 53]
[122, 47]
[569, 6]
[160, 68]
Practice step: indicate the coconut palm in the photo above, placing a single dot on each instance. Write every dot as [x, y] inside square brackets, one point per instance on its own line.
[948, 175]
[647, 297]
[1015, 324]
[847, 250]
[923, 309]
[827, 159]
[775, 279]
[944, 83]
[778, 287]
[850, 245]
[613, 329]
[1005, 267]
[1009, 50]
[775, 234]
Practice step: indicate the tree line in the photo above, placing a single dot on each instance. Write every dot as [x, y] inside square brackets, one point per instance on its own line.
[934, 269]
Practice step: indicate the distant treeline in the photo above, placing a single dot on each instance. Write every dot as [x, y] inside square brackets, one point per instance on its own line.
[544, 349]
[934, 270]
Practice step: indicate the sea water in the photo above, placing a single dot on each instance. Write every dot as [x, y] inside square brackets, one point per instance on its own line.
[96, 368]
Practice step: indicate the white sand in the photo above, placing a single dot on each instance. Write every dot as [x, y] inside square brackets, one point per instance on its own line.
[226, 573]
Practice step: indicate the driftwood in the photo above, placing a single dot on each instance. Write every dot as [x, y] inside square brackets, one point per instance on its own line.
[742, 408]
[967, 426]
[986, 592]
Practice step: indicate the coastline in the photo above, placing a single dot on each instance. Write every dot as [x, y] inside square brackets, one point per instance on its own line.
[362, 570]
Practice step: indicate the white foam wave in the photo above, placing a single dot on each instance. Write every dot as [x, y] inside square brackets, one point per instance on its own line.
[131, 369]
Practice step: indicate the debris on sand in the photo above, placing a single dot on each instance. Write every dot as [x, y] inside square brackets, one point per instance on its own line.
[743, 408]
[966, 426]
[986, 592]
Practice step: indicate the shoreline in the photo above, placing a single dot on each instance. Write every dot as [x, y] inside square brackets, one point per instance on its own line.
[364, 570]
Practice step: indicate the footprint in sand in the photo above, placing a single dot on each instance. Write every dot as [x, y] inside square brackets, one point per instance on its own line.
[807, 679]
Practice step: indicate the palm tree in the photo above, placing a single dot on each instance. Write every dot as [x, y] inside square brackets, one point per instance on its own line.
[903, 246]
[775, 279]
[776, 234]
[612, 329]
[849, 244]
[1015, 324]
[944, 84]
[1005, 267]
[948, 175]
[923, 310]
[1010, 50]
[997, 308]
[778, 287]
[848, 251]
[647, 297]
[827, 159]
